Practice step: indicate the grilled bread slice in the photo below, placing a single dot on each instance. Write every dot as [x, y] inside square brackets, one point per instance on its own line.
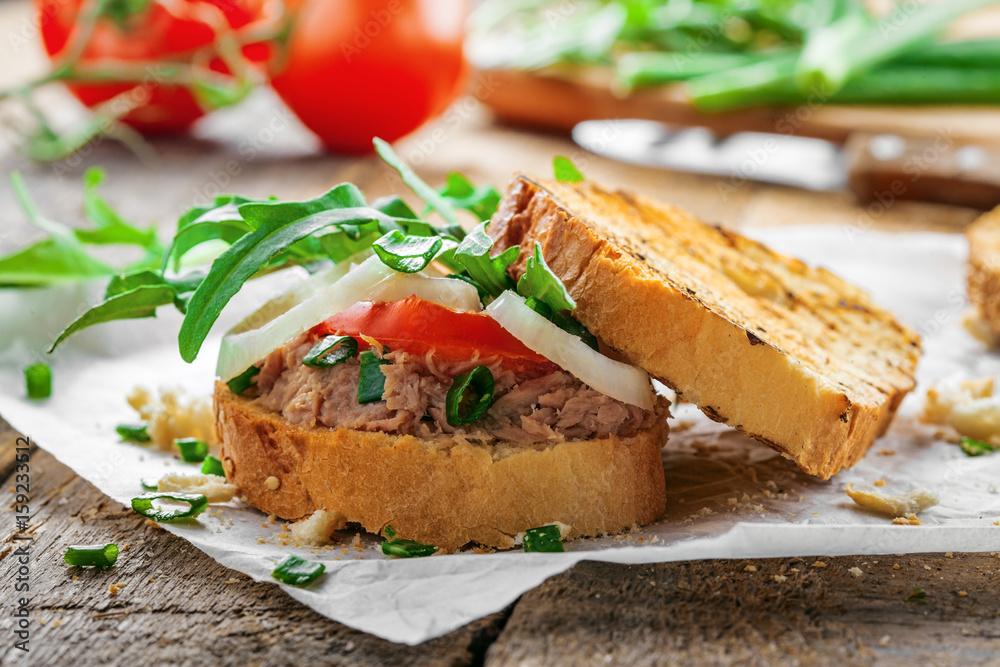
[789, 354]
[983, 280]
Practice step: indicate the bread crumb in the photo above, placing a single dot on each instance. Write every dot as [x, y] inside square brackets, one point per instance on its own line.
[114, 589]
[356, 542]
[317, 528]
[171, 415]
[213, 487]
[912, 502]
[151, 580]
[343, 551]
[886, 452]
[75, 578]
[879, 482]
[970, 408]
[908, 520]
[927, 567]
[962, 594]
[272, 483]
[231, 580]
[819, 563]
[780, 578]
[261, 540]
[271, 519]
[56, 623]
[895, 566]
[750, 568]
[884, 641]
[856, 572]
[950, 554]
[794, 570]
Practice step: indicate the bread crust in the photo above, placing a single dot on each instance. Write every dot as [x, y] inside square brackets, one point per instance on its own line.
[983, 279]
[790, 355]
[443, 495]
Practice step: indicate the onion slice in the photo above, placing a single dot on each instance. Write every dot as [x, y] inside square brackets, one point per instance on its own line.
[282, 319]
[618, 380]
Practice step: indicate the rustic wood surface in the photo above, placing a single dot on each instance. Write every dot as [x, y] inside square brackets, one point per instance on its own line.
[178, 606]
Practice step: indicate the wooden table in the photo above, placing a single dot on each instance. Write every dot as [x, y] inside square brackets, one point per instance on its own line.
[179, 606]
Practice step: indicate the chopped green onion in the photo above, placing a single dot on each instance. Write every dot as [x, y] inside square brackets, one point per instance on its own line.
[133, 432]
[371, 382]
[470, 396]
[390, 532]
[149, 483]
[406, 548]
[546, 538]
[192, 450]
[407, 254]
[296, 571]
[977, 447]
[565, 170]
[91, 555]
[212, 466]
[241, 382]
[322, 355]
[144, 506]
[38, 379]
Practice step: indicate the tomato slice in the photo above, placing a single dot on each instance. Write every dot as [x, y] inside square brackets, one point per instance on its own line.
[418, 326]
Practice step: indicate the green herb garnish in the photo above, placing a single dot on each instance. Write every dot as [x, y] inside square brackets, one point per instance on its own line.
[407, 254]
[431, 197]
[243, 381]
[539, 281]
[565, 170]
[371, 382]
[133, 432]
[192, 450]
[91, 555]
[977, 447]
[38, 381]
[490, 273]
[330, 351]
[917, 595]
[405, 548]
[544, 539]
[212, 466]
[196, 505]
[296, 571]
[470, 396]
[481, 201]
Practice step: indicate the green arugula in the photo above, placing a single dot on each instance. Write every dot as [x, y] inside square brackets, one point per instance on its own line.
[459, 191]
[489, 273]
[565, 170]
[539, 281]
[407, 254]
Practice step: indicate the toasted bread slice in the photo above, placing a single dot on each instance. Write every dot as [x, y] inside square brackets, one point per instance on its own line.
[983, 280]
[445, 495]
[789, 354]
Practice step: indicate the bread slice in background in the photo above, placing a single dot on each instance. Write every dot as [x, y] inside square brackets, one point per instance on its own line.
[983, 279]
[445, 493]
[789, 354]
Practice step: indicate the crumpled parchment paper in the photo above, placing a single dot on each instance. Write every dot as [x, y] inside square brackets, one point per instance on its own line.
[728, 497]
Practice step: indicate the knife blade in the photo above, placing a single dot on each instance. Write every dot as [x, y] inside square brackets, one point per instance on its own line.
[875, 166]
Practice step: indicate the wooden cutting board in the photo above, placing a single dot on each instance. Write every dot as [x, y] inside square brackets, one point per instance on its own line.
[558, 98]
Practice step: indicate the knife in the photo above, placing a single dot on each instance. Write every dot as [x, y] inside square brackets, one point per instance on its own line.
[877, 167]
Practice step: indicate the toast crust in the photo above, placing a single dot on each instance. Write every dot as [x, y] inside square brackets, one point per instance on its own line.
[790, 355]
[445, 495]
[983, 279]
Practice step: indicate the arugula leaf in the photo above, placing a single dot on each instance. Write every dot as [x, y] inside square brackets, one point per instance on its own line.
[539, 281]
[473, 255]
[394, 205]
[421, 189]
[110, 227]
[139, 302]
[406, 254]
[126, 282]
[242, 260]
[565, 170]
[460, 193]
[202, 231]
[259, 213]
[338, 245]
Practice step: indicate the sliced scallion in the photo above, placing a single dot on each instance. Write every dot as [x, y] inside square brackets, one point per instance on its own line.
[977, 447]
[91, 555]
[38, 381]
[297, 571]
[149, 483]
[133, 432]
[144, 505]
[212, 466]
[323, 354]
[371, 382]
[192, 450]
[407, 549]
[242, 382]
[543, 539]
[470, 396]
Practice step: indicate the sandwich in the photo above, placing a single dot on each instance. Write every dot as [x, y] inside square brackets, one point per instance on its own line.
[983, 278]
[517, 392]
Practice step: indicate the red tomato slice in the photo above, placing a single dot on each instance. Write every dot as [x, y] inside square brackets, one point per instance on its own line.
[417, 326]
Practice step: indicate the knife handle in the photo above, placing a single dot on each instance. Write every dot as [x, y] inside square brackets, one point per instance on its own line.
[889, 167]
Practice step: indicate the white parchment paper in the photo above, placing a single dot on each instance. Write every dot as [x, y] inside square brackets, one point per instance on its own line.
[728, 497]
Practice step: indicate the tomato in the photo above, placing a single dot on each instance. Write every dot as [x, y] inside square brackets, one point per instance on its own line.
[357, 69]
[154, 34]
[417, 326]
